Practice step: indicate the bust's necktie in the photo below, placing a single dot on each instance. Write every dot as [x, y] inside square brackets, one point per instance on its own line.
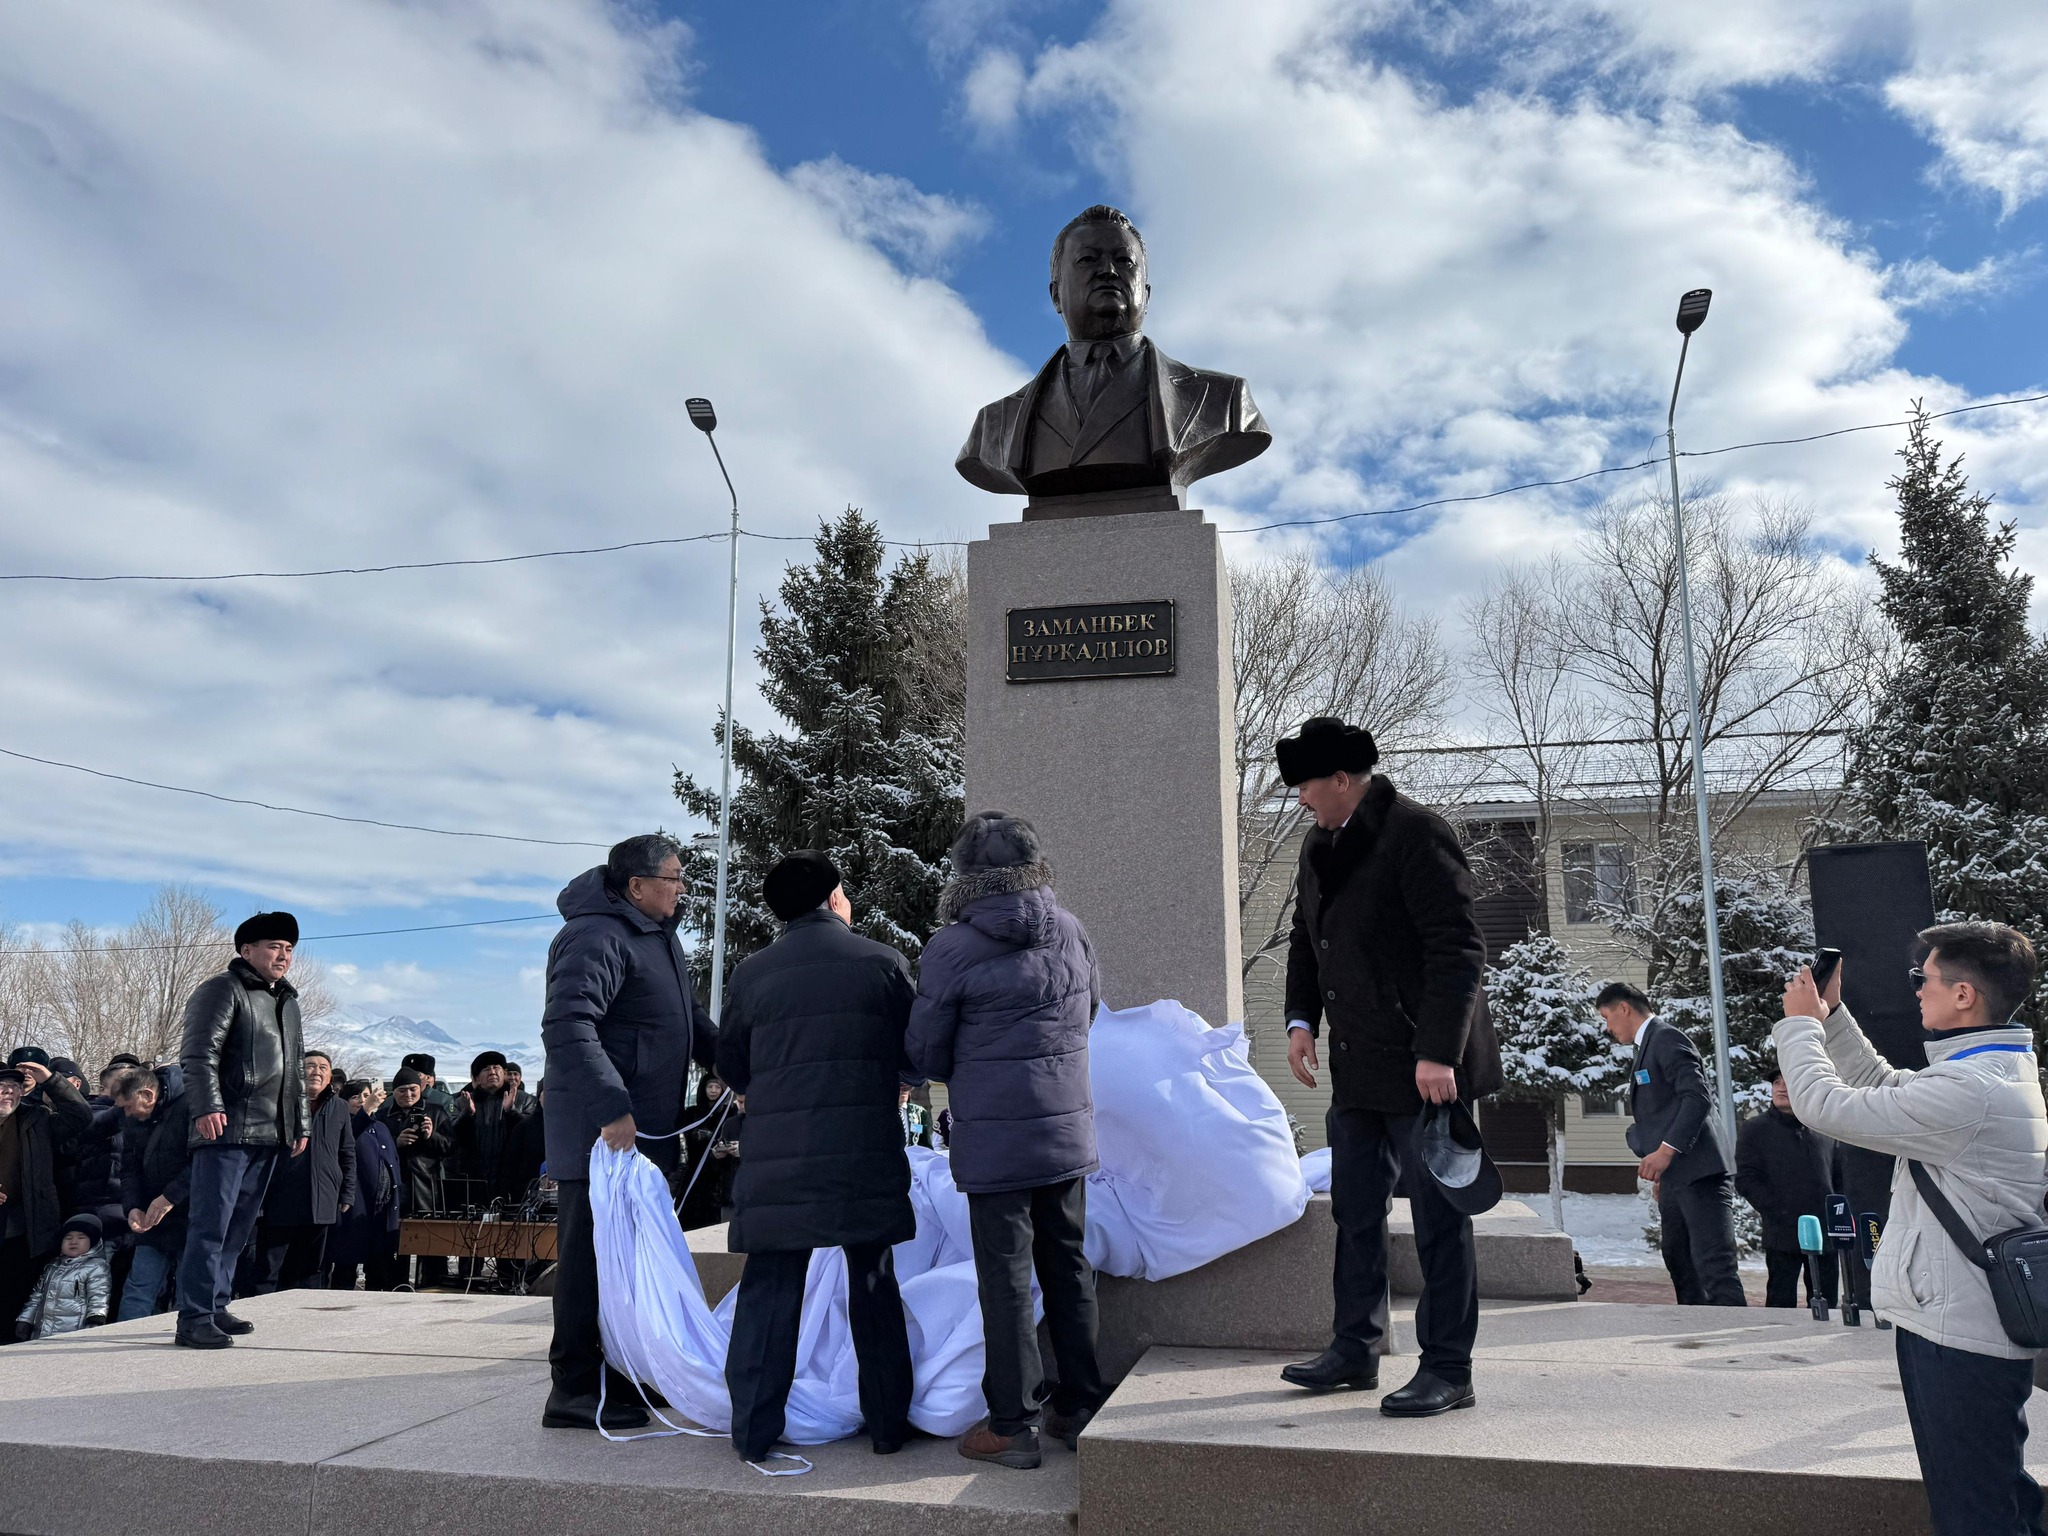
[1101, 363]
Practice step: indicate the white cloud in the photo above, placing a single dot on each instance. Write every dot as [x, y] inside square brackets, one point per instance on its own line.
[993, 92]
[1970, 74]
[332, 284]
[1978, 86]
[923, 229]
[1927, 284]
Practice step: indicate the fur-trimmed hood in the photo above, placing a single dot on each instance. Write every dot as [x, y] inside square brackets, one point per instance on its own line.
[963, 890]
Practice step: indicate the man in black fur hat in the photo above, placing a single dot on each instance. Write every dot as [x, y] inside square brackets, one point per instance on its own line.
[1386, 950]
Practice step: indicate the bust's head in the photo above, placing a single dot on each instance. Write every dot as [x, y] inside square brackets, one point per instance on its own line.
[1098, 275]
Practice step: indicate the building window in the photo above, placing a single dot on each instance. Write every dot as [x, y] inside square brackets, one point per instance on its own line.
[1599, 1104]
[1599, 881]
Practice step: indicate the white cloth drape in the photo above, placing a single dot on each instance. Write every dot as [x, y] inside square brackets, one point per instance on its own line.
[1197, 1160]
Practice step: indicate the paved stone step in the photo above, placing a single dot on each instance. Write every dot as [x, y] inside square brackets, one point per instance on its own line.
[1593, 1420]
[347, 1413]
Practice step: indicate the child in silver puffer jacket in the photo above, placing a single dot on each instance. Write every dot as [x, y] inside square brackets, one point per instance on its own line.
[73, 1291]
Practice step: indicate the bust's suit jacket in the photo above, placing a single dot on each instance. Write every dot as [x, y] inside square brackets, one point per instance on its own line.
[1668, 1098]
[1197, 422]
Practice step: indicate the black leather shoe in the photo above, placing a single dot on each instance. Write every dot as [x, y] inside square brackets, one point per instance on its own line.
[202, 1335]
[580, 1412]
[1066, 1428]
[227, 1322]
[1331, 1372]
[1426, 1395]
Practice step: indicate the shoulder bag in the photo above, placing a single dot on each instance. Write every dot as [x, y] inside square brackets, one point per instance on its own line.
[2015, 1260]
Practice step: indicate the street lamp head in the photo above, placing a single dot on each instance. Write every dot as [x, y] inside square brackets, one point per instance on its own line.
[1692, 311]
[705, 419]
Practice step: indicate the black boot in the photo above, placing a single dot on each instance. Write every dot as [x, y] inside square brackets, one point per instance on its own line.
[1331, 1371]
[227, 1322]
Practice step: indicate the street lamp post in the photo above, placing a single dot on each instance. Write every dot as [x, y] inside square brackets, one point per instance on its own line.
[1692, 314]
[705, 419]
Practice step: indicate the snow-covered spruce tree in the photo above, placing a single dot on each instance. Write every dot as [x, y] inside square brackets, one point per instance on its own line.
[1955, 752]
[1552, 1043]
[870, 770]
[1766, 935]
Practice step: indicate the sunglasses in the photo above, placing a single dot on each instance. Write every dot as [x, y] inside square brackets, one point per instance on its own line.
[1920, 977]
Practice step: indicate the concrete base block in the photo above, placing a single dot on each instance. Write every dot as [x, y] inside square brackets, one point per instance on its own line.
[1274, 1294]
[406, 1415]
[1592, 1419]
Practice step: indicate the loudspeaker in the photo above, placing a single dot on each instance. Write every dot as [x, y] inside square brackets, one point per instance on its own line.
[1870, 901]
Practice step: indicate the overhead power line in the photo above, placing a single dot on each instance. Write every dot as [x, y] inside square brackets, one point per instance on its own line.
[292, 810]
[804, 538]
[378, 570]
[311, 938]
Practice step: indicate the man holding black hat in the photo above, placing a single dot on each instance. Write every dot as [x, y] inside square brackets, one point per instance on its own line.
[813, 1037]
[244, 1081]
[621, 1027]
[1386, 949]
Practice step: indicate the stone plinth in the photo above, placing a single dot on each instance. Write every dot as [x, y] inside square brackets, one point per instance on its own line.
[406, 1415]
[1272, 1294]
[1129, 780]
[1275, 1293]
[1592, 1419]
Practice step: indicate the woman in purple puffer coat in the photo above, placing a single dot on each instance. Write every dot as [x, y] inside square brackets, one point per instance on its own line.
[1006, 995]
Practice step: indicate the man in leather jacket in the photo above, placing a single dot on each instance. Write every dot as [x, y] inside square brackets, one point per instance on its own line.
[241, 1059]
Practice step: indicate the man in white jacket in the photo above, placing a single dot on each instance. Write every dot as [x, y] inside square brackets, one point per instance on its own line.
[1974, 1119]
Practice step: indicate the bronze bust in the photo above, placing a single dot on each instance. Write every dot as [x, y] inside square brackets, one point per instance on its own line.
[1109, 411]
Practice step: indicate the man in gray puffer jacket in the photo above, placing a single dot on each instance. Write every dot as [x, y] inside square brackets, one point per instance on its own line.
[1006, 995]
[1974, 1123]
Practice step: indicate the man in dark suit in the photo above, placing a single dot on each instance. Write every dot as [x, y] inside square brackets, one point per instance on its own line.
[1679, 1141]
[1109, 411]
[1386, 948]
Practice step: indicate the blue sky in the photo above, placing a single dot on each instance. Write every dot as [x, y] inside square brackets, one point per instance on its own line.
[343, 283]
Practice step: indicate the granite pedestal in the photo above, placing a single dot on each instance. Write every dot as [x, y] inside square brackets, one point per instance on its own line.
[1130, 781]
[419, 1416]
[1272, 1294]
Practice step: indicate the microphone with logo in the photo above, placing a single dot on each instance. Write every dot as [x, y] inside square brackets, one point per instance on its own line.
[1842, 1234]
[1812, 1243]
[1869, 1233]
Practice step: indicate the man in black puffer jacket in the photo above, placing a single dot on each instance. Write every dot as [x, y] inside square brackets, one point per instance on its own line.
[1387, 949]
[248, 1097]
[621, 1027]
[813, 1039]
[1007, 992]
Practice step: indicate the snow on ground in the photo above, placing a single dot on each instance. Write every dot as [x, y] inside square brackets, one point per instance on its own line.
[1608, 1229]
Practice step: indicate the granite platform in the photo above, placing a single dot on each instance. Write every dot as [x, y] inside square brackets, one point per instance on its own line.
[347, 1412]
[1275, 1293]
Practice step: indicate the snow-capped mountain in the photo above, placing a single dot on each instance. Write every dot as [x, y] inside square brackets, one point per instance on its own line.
[388, 1039]
[359, 1032]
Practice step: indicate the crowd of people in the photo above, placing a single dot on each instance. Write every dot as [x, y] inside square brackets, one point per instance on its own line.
[246, 1166]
